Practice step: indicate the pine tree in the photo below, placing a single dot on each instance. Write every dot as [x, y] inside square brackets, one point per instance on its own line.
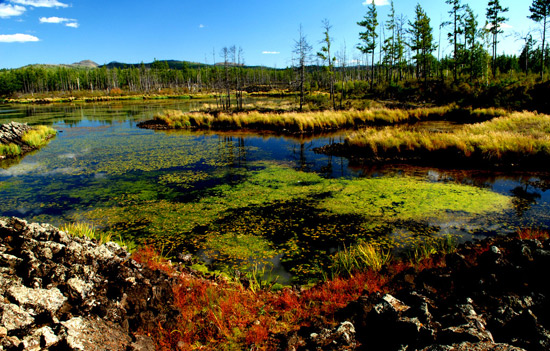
[369, 36]
[422, 41]
[540, 9]
[390, 52]
[456, 22]
[495, 21]
[325, 55]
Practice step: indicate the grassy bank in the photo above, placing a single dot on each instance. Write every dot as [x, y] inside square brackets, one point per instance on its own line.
[32, 139]
[514, 138]
[316, 121]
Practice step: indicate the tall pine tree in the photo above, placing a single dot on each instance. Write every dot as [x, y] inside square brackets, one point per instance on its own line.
[495, 21]
[540, 9]
[369, 36]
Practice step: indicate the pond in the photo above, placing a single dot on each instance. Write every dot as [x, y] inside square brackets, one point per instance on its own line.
[238, 199]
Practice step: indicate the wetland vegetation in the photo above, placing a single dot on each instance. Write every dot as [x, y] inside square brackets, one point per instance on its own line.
[249, 202]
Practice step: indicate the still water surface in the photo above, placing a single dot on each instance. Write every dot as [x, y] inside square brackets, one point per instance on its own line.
[233, 198]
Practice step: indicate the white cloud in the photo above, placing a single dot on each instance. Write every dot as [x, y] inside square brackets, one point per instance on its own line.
[10, 10]
[17, 38]
[270, 52]
[68, 21]
[53, 19]
[201, 26]
[376, 2]
[40, 3]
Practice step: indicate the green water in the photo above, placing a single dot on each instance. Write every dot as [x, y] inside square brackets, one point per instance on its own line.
[235, 199]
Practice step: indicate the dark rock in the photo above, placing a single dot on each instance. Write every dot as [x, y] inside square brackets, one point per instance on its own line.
[70, 293]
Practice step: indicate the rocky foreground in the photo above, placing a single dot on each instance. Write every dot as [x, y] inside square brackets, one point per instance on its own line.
[64, 293]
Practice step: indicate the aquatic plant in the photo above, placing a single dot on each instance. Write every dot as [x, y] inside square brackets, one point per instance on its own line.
[423, 248]
[359, 258]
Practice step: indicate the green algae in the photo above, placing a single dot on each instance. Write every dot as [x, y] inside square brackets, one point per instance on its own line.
[277, 210]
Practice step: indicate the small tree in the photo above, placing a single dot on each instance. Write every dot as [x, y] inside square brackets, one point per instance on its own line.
[325, 55]
[303, 51]
[422, 42]
[369, 36]
[495, 21]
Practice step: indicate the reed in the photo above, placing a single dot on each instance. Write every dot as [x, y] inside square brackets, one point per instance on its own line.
[430, 246]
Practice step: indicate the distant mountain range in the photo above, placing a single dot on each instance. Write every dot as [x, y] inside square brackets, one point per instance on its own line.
[173, 64]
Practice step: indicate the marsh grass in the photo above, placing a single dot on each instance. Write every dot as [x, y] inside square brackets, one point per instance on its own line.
[533, 233]
[359, 258]
[519, 135]
[427, 247]
[38, 136]
[10, 150]
[312, 121]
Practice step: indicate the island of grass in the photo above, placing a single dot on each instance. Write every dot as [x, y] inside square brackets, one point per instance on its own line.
[312, 122]
[19, 138]
[521, 139]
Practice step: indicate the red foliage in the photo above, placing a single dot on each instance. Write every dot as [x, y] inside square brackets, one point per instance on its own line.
[149, 257]
[532, 233]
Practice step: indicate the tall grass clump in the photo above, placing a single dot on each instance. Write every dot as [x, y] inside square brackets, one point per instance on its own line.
[10, 150]
[359, 258]
[430, 246]
[85, 230]
[38, 136]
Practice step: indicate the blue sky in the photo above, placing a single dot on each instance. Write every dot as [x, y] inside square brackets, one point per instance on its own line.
[65, 31]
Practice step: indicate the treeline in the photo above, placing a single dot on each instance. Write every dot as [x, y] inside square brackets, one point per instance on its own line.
[396, 58]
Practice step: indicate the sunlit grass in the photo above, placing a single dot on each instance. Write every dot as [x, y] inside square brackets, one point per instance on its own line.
[38, 136]
[10, 150]
[312, 121]
[85, 230]
[520, 134]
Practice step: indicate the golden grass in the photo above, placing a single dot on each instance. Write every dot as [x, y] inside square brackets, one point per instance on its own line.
[9, 150]
[519, 134]
[311, 121]
[38, 136]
